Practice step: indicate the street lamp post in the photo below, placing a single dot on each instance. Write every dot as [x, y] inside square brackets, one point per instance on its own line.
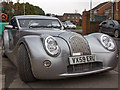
[24, 6]
[90, 10]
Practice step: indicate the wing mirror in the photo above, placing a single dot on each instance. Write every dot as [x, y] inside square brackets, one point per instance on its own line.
[8, 27]
[62, 28]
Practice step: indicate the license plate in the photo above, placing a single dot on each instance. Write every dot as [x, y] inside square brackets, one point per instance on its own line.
[82, 59]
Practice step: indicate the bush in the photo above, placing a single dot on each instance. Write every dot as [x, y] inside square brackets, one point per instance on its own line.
[79, 27]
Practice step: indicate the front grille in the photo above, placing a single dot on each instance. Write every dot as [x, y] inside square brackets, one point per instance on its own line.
[86, 67]
[79, 44]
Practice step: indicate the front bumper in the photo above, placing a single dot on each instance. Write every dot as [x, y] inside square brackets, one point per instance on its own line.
[59, 69]
[84, 73]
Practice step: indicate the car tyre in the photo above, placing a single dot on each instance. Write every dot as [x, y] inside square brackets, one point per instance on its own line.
[24, 66]
[116, 33]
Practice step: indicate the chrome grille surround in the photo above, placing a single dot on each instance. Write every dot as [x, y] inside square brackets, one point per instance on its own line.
[79, 44]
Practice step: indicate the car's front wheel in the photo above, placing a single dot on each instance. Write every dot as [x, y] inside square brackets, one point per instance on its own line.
[116, 33]
[24, 65]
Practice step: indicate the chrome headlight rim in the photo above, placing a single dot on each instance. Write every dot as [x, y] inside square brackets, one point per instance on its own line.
[56, 52]
[111, 45]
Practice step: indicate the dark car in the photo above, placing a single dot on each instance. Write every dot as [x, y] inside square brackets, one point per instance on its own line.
[111, 27]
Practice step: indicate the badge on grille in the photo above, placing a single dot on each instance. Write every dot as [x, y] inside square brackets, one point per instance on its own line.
[78, 54]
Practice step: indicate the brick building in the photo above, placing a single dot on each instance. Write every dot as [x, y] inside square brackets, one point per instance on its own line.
[106, 10]
[102, 11]
[92, 18]
[117, 10]
[60, 17]
[74, 17]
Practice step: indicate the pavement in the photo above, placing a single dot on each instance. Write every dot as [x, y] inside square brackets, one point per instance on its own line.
[0, 68]
[10, 78]
[75, 30]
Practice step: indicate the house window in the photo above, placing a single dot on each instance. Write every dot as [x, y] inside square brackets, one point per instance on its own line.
[76, 17]
[95, 12]
[72, 17]
[68, 17]
[107, 13]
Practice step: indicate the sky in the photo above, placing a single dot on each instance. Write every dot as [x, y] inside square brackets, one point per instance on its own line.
[59, 7]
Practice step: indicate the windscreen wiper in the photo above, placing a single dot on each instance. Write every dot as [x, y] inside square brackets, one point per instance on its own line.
[38, 26]
[44, 26]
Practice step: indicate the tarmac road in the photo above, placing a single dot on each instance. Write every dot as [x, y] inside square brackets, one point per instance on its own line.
[102, 80]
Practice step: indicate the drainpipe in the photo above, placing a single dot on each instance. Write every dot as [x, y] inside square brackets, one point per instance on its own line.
[112, 10]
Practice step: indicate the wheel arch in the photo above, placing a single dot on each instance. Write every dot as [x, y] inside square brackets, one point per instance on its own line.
[5, 37]
[29, 44]
[23, 63]
[26, 41]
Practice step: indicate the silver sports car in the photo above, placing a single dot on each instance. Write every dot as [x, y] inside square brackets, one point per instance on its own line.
[42, 49]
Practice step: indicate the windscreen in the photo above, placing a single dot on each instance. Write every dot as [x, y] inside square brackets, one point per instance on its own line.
[69, 23]
[37, 23]
[116, 23]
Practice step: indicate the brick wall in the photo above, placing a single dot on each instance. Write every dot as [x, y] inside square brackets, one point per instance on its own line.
[94, 26]
[86, 22]
[89, 27]
[117, 12]
[101, 9]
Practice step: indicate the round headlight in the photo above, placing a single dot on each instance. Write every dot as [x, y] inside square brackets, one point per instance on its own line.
[108, 42]
[51, 46]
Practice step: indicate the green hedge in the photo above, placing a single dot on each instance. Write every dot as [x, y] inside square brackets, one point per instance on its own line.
[79, 27]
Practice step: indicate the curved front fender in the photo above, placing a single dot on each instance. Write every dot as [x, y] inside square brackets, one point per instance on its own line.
[38, 55]
[102, 54]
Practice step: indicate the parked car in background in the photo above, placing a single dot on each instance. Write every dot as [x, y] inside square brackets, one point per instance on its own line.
[41, 49]
[69, 25]
[111, 27]
[64, 25]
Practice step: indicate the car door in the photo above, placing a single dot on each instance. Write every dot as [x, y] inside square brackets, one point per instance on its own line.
[110, 27]
[103, 26]
[117, 25]
[13, 34]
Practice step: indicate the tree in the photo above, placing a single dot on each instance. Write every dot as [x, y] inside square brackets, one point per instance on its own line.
[18, 9]
[7, 9]
[29, 9]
